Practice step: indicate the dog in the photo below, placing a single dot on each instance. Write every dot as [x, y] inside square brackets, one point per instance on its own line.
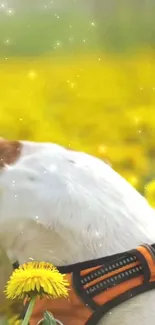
[68, 207]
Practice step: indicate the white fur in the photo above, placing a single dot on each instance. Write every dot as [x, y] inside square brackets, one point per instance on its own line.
[64, 206]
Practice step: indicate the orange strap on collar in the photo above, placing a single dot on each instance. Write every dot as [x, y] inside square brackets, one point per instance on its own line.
[99, 285]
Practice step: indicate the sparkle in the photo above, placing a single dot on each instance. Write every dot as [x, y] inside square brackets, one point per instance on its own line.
[71, 39]
[72, 85]
[10, 12]
[57, 45]
[7, 41]
[102, 149]
[53, 168]
[57, 16]
[32, 74]
[134, 181]
[136, 120]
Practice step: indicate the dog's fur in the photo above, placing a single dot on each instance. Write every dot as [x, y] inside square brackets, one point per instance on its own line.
[64, 206]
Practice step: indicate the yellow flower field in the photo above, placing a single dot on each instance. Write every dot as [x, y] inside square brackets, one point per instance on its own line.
[103, 105]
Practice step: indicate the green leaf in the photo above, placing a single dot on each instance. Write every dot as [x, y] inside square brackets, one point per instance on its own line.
[49, 319]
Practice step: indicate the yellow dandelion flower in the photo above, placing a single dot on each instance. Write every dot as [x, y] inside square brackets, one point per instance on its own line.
[36, 279]
[14, 320]
[150, 193]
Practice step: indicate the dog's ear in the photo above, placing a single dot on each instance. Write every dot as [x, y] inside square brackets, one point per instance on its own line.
[9, 152]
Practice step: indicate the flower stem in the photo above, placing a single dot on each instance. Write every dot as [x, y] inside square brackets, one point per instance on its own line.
[29, 311]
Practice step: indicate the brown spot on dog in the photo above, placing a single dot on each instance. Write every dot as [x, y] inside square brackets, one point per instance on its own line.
[9, 152]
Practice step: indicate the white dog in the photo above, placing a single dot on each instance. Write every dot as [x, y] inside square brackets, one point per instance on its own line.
[66, 207]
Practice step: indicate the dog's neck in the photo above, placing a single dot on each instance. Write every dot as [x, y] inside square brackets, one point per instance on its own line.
[64, 246]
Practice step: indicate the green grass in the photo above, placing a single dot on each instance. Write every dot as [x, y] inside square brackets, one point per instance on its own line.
[38, 33]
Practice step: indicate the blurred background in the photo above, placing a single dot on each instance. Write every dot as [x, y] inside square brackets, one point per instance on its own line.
[82, 73]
